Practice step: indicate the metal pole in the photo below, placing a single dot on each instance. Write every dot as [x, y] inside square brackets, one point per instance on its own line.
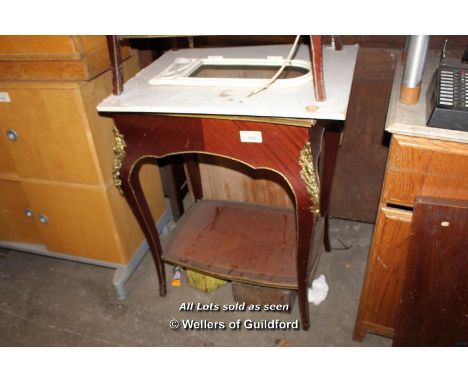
[414, 69]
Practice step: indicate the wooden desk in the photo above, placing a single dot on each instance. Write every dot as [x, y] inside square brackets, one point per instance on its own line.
[244, 242]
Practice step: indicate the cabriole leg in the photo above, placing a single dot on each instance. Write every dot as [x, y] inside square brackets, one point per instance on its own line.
[135, 197]
[332, 142]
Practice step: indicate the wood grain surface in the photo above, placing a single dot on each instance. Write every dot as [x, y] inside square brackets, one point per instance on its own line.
[14, 224]
[363, 155]
[426, 167]
[417, 167]
[54, 58]
[384, 274]
[80, 220]
[52, 134]
[237, 241]
[433, 309]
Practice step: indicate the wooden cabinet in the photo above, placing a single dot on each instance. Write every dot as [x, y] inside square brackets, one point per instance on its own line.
[424, 163]
[54, 58]
[56, 190]
[415, 167]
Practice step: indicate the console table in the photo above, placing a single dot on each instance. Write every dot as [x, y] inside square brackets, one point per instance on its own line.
[279, 130]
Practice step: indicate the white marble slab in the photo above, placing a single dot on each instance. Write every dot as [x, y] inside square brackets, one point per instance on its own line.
[411, 119]
[140, 96]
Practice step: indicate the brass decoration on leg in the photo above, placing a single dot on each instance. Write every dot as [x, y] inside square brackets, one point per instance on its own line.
[119, 156]
[310, 178]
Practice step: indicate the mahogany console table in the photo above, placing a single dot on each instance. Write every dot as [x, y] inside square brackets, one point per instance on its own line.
[255, 244]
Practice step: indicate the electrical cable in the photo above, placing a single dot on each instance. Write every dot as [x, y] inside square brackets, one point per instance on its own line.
[280, 70]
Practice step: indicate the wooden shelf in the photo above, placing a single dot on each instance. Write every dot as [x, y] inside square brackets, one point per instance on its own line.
[237, 241]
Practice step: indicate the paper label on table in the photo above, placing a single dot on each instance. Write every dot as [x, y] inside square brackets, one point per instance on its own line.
[251, 136]
[4, 97]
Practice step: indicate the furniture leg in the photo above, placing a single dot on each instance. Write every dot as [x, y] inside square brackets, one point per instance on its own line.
[317, 67]
[332, 141]
[113, 44]
[123, 273]
[338, 42]
[359, 332]
[305, 226]
[135, 197]
[307, 195]
[193, 170]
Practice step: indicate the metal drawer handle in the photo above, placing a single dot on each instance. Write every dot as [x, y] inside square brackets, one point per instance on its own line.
[12, 135]
[43, 219]
[28, 212]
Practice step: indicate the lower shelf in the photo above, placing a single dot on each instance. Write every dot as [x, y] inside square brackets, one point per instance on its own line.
[236, 241]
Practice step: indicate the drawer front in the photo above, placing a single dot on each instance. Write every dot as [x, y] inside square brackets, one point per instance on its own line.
[425, 167]
[385, 269]
[45, 46]
[54, 58]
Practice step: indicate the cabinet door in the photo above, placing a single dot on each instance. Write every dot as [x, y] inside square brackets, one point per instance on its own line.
[7, 166]
[51, 138]
[385, 273]
[75, 220]
[15, 225]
